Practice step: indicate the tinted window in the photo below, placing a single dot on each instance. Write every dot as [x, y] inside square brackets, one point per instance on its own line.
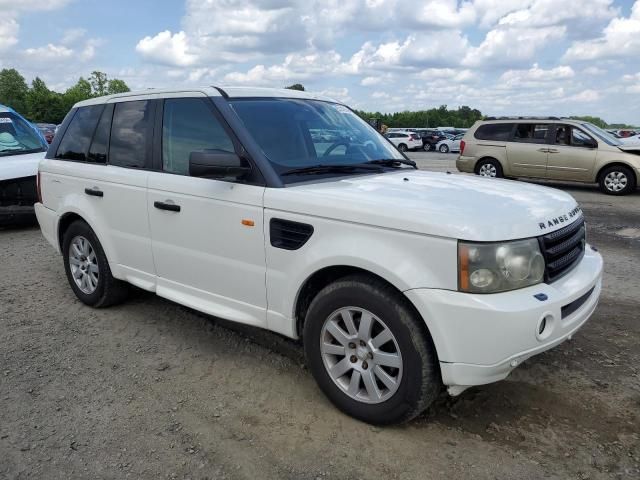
[131, 134]
[531, 133]
[75, 144]
[494, 131]
[188, 126]
[100, 144]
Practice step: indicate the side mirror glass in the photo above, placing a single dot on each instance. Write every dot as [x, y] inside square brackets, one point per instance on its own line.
[217, 164]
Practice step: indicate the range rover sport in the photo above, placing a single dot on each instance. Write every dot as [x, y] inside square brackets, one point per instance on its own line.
[399, 282]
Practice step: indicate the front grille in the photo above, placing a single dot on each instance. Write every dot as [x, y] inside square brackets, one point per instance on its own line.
[563, 249]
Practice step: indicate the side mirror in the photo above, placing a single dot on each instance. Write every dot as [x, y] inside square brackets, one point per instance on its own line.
[217, 164]
[592, 144]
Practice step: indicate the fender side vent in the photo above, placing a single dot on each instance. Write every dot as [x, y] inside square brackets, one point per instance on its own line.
[289, 235]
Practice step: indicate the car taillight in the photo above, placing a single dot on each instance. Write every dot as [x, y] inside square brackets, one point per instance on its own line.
[39, 188]
[462, 144]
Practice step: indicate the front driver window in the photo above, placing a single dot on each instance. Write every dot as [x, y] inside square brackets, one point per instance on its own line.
[188, 126]
[580, 139]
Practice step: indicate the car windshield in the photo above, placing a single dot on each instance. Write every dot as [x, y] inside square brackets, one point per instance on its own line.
[602, 134]
[296, 133]
[18, 137]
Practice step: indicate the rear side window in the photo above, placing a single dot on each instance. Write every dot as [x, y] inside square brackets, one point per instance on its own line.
[75, 144]
[531, 133]
[494, 131]
[100, 144]
[189, 126]
[131, 134]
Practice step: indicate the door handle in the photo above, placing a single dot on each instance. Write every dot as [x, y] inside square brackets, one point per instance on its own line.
[552, 150]
[94, 192]
[543, 150]
[171, 207]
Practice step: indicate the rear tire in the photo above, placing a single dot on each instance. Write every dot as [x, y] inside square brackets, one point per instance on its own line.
[366, 390]
[617, 180]
[87, 268]
[489, 167]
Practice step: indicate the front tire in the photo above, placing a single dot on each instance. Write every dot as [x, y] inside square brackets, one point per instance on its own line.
[402, 147]
[87, 268]
[617, 180]
[444, 149]
[370, 352]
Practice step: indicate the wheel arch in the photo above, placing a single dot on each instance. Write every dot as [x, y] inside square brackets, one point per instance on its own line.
[617, 164]
[487, 157]
[326, 275]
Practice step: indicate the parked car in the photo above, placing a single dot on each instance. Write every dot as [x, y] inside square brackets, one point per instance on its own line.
[48, 130]
[405, 140]
[552, 148]
[21, 148]
[631, 140]
[396, 280]
[430, 138]
[449, 144]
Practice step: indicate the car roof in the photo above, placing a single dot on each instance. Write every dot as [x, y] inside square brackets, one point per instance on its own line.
[211, 91]
[5, 109]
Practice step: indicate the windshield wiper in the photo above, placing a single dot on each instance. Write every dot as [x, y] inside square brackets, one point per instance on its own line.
[319, 169]
[393, 162]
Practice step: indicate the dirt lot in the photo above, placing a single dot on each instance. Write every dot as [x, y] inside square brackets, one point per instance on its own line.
[152, 390]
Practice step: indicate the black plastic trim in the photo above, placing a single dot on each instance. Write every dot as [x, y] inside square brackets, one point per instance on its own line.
[289, 235]
[576, 304]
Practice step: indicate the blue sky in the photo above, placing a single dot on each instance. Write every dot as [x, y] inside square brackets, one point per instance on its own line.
[521, 57]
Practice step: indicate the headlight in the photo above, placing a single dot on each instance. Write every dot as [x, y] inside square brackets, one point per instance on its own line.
[499, 267]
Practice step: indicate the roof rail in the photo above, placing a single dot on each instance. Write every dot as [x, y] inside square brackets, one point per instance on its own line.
[523, 118]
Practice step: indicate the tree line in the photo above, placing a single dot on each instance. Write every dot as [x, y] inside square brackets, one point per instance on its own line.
[462, 117]
[40, 104]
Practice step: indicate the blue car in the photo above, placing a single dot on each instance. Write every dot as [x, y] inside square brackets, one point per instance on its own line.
[22, 146]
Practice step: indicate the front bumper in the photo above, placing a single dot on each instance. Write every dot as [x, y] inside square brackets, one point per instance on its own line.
[466, 164]
[16, 215]
[481, 338]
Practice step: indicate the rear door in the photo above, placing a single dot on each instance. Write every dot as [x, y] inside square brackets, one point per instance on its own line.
[527, 151]
[89, 179]
[208, 246]
[572, 155]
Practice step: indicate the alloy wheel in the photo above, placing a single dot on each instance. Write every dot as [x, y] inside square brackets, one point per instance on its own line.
[83, 262]
[615, 181]
[361, 355]
[488, 170]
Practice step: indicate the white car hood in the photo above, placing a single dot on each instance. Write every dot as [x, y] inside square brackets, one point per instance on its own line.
[18, 166]
[446, 205]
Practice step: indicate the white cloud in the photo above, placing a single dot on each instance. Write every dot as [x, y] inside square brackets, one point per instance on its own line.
[167, 48]
[541, 13]
[49, 53]
[536, 76]
[585, 96]
[512, 46]
[8, 33]
[620, 38]
[594, 71]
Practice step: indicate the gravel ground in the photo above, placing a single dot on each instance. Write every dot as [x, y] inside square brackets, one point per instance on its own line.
[149, 389]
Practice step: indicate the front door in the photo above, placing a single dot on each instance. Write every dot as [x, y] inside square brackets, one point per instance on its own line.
[207, 235]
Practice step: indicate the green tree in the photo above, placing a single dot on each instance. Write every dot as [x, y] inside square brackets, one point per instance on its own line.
[116, 86]
[99, 83]
[13, 90]
[296, 86]
[43, 105]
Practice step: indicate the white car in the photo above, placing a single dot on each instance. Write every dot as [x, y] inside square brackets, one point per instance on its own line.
[405, 140]
[22, 147]
[450, 145]
[632, 140]
[397, 281]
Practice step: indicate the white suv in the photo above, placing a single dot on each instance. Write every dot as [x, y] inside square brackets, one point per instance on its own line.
[397, 281]
[405, 140]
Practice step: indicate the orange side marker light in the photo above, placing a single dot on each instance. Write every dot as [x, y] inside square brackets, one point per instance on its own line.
[248, 223]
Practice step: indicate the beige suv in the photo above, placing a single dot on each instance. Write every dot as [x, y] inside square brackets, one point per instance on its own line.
[550, 148]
